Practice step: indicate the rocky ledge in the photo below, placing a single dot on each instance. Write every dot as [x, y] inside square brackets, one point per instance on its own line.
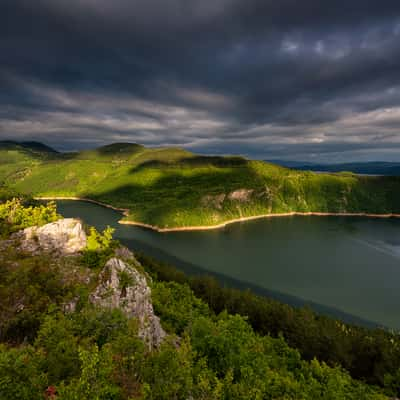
[65, 237]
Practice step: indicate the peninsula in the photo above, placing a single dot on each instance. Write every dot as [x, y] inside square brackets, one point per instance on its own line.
[172, 189]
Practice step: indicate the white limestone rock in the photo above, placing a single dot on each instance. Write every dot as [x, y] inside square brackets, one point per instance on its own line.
[122, 286]
[65, 237]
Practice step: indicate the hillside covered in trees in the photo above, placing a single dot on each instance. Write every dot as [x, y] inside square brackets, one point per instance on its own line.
[172, 188]
[57, 342]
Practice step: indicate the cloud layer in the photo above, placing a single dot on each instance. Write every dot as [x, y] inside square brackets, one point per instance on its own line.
[307, 80]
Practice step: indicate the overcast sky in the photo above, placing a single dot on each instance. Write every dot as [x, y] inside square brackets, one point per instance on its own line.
[301, 80]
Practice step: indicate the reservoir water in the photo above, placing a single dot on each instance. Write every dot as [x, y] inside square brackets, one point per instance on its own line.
[343, 266]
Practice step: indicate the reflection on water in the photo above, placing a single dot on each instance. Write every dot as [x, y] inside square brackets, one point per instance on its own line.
[336, 263]
[379, 245]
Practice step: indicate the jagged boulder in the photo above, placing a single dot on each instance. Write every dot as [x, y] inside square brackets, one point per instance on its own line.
[65, 237]
[124, 287]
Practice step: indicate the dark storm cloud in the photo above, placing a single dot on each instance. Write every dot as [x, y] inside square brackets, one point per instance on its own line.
[262, 78]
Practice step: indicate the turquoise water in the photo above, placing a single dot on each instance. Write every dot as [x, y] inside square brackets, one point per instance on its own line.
[337, 264]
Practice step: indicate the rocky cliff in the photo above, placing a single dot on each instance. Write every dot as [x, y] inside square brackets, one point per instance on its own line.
[120, 283]
[124, 287]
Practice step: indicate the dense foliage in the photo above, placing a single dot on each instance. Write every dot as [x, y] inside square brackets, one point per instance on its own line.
[99, 247]
[15, 215]
[6, 193]
[369, 354]
[175, 188]
[96, 354]
[48, 348]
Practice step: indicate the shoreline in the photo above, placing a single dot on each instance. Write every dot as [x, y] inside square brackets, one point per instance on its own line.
[156, 228]
[124, 211]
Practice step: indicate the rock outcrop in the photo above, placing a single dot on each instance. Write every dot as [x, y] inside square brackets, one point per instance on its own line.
[217, 201]
[124, 287]
[65, 237]
[241, 195]
[120, 286]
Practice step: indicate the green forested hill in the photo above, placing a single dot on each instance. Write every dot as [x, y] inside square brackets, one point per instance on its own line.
[171, 187]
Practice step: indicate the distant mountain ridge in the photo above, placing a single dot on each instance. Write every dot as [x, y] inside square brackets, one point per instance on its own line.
[127, 149]
[29, 145]
[370, 168]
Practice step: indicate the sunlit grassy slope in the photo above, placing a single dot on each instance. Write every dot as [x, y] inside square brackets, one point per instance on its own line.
[171, 187]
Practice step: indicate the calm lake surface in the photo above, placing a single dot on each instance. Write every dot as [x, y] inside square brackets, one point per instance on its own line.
[348, 267]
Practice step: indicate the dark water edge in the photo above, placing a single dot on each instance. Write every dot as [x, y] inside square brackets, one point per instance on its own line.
[141, 240]
[226, 281]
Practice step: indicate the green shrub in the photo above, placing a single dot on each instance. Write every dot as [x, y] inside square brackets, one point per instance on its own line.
[15, 216]
[56, 339]
[97, 241]
[95, 381]
[177, 306]
[26, 293]
[99, 248]
[99, 325]
[20, 374]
